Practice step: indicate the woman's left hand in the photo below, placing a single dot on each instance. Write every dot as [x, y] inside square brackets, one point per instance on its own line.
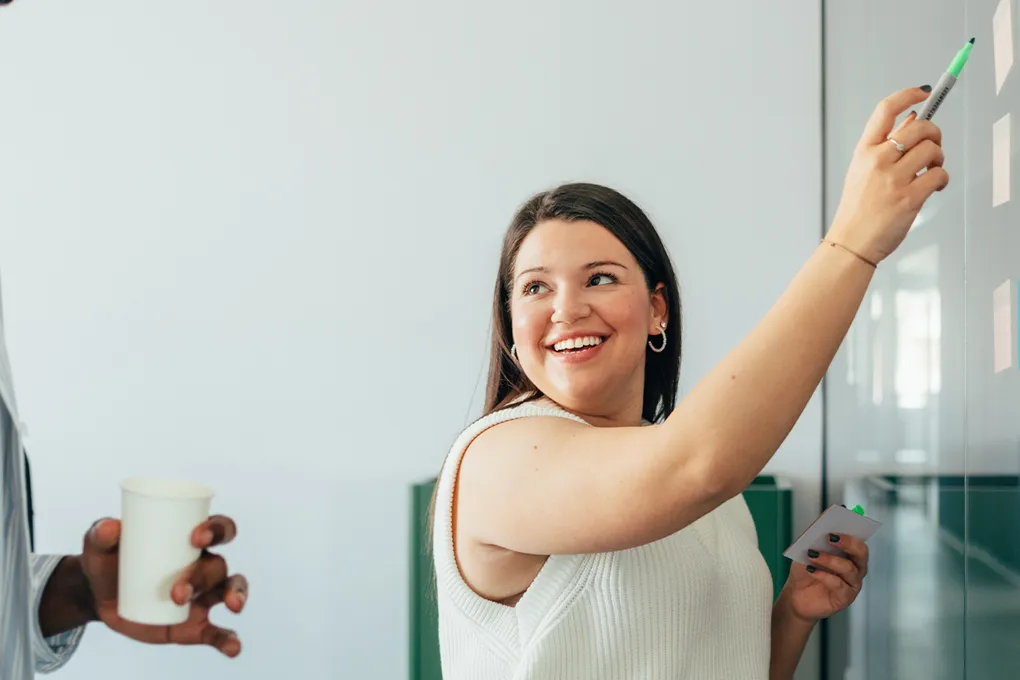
[830, 583]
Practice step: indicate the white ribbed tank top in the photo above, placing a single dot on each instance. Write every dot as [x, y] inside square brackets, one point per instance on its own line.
[696, 604]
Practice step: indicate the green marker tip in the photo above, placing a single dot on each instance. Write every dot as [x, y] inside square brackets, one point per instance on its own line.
[960, 59]
[859, 510]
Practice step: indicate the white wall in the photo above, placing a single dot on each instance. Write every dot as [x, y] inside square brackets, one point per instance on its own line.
[253, 242]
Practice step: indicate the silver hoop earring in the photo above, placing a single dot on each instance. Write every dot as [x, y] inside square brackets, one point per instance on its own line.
[652, 347]
[513, 350]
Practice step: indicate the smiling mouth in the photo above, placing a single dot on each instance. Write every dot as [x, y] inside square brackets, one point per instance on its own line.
[575, 345]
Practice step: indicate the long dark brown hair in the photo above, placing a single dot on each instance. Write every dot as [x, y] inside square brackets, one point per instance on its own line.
[627, 222]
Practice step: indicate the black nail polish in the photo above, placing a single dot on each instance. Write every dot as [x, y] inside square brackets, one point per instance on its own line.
[810, 569]
[812, 553]
[834, 538]
[926, 88]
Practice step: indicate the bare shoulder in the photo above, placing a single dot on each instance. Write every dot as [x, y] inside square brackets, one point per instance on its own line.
[514, 477]
[514, 442]
[497, 470]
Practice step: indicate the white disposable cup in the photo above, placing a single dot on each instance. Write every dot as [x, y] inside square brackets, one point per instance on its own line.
[158, 517]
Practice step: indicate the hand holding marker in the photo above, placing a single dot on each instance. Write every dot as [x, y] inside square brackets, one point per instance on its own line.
[938, 95]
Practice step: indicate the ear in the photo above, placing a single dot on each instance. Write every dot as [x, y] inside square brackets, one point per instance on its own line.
[660, 310]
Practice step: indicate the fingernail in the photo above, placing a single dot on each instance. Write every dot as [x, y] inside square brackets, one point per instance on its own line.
[206, 536]
[189, 591]
[834, 538]
[926, 88]
[94, 531]
[241, 597]
[811, 569]
[812, 553]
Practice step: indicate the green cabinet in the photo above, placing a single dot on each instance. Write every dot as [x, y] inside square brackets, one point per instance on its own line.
[423, 631]
[769, 499]
[982, 511]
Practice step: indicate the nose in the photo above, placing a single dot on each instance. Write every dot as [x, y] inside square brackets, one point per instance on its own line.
[570, 306]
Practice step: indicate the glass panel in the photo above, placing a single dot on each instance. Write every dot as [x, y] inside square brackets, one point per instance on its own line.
[992, 535]
[894, 396]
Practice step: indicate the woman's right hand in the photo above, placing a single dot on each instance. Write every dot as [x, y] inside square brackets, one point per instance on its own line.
[882, 193]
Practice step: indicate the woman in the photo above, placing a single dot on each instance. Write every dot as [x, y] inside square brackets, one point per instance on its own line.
[589, 526]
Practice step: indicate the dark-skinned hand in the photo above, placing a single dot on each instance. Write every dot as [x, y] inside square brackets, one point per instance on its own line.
[205, 584]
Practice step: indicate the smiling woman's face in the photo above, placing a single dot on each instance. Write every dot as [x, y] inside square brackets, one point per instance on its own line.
[582, 314]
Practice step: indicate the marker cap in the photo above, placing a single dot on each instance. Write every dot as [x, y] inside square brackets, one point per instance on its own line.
[961, 59]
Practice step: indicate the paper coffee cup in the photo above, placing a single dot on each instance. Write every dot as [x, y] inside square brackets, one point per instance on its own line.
[158, 517]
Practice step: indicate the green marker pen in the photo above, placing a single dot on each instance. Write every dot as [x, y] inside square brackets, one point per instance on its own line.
[945, 84]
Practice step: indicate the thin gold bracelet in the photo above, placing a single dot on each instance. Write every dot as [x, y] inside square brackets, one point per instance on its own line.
[860, 257]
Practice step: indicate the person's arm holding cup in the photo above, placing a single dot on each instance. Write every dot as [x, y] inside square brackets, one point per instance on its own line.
[150, 576]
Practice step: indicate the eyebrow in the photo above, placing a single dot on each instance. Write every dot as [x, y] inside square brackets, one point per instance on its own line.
[591, 265]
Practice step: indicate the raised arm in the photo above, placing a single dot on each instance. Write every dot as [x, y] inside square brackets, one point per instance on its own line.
[542, 486]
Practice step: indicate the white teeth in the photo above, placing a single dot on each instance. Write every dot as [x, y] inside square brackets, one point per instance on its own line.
[576, 343]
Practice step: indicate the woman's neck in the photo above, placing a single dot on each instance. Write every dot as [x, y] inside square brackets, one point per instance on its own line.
[628, 415]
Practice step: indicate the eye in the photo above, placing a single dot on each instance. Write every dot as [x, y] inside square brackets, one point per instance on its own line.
[534, 288]
[601, 279]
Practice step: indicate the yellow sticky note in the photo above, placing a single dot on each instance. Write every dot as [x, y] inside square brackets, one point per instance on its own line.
[1002, 37]
[1002, 326]
[1000, 160]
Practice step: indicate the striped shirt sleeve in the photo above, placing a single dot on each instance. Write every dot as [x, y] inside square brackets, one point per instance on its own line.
[53, 652]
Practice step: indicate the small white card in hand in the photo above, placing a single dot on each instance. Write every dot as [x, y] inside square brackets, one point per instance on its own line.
[835, 520]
